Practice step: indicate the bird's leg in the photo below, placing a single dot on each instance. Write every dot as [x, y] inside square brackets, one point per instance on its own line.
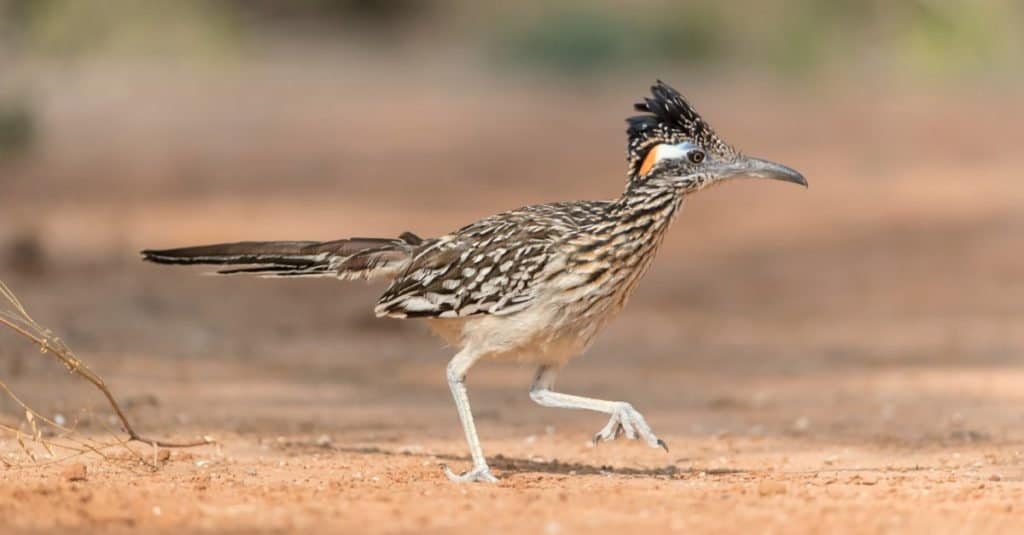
[457, 369]
[625, 419]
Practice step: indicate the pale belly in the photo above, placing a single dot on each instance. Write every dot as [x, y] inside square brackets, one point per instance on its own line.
[523, 337]
[550, 334]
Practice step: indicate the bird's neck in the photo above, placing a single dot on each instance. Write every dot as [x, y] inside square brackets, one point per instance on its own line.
[638, 221]
[644, 202]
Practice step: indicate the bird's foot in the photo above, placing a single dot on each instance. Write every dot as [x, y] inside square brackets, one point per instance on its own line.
[629, 422]
[478, 473]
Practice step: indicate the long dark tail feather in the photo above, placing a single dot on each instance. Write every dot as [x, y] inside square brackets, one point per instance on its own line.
[353, 258]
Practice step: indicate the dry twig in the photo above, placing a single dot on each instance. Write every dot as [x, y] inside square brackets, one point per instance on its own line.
[19, 320]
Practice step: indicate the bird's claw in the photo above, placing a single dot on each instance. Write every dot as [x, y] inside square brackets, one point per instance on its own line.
[477, 474]
[628, 421]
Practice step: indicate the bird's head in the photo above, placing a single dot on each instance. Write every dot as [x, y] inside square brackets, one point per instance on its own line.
[672, 143]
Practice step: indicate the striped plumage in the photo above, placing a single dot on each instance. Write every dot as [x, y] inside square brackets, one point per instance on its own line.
[533, 284]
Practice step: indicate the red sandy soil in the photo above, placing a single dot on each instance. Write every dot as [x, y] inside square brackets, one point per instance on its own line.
[845, 359]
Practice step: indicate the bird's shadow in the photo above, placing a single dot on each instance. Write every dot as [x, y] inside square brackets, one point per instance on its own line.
[514, 465]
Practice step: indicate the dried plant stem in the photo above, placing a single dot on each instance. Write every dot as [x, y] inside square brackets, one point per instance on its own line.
[85, 446]
[22, 323]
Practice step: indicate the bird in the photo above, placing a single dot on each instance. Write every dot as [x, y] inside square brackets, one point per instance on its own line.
[535, 284]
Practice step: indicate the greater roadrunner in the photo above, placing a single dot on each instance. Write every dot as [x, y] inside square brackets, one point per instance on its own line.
[534, 284]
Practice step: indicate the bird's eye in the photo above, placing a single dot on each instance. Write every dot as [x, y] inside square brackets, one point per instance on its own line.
[695, 156]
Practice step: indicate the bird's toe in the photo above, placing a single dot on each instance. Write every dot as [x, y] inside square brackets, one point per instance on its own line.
[477, 474]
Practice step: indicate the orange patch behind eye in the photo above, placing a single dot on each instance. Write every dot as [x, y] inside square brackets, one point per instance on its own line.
[649, 160]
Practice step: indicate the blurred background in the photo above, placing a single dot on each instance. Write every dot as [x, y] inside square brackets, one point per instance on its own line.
[885, 303]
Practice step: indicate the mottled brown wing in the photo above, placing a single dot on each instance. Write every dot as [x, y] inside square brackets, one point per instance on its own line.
[492, 266]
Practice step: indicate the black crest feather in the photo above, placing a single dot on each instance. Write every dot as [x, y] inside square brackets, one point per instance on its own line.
[668, 118]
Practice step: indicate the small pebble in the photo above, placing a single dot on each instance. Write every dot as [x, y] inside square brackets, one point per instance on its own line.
[771, 488]
[869, 479]
[74, 472]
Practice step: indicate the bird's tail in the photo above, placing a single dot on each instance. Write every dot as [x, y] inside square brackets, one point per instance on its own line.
[349, 259]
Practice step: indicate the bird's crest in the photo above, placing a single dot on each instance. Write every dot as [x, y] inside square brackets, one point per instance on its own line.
[668, 118]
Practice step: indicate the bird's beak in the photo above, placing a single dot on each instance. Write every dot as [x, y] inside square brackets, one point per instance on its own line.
[757, 168]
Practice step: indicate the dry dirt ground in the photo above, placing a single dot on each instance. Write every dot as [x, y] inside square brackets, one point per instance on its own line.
[845, 359]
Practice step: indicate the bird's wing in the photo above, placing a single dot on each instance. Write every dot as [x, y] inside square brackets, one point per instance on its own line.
[493, 266]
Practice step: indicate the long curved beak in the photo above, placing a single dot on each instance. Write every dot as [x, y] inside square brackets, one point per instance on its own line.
[757, 168]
